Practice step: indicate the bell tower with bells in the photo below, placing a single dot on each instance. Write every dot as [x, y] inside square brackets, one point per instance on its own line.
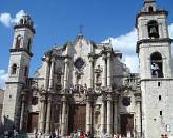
[154, 51]
[18, 69]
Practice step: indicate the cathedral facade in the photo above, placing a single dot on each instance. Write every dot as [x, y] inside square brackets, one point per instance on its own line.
[85, 86]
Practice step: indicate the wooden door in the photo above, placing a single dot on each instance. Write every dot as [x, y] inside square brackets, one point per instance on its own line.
[32, 123]
[76, 119]
[127, 124]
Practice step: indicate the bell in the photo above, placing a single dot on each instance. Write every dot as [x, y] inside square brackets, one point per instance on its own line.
[153, 30]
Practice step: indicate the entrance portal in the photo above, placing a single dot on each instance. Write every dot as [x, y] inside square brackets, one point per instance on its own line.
[127, 124]
[32, 123]
[76, 119]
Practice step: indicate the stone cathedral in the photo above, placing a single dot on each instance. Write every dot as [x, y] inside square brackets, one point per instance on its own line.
[84, 86]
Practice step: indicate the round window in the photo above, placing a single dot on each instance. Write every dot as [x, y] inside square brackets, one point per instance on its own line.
[79, 63]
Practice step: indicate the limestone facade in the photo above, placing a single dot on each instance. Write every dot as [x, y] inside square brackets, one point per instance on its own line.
[83, 85]
[154, 50]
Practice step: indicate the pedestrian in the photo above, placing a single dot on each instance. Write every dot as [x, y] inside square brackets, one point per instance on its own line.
[39, 134]
[35, 133]
[75, 134]
[82, 134]
[89, 135]
[57, 133]
[15, 133]
[128, 134]
[50, 135]
[115, 136]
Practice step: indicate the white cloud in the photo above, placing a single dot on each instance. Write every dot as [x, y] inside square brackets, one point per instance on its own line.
[3, 78]
[7, 19]
[170, 28]
[126, 43]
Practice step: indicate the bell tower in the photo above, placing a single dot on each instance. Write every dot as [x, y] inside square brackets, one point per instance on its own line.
[153, 42]
[154, 51]
[18, 69]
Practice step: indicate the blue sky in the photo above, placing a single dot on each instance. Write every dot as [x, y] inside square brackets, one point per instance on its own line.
[58, 21]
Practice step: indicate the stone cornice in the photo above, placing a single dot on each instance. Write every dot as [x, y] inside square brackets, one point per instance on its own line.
[14, 83]
[57, 57]
[152, 41]
[94, 56]
[154, 13]
[157, 79]
[30, 27]
[21, 50]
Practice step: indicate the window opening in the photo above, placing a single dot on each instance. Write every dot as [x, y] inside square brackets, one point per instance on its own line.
[156, 65]
[153, 29]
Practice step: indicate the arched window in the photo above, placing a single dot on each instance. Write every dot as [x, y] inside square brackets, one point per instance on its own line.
[29, 45]
[18, 42]
[79, 64]
[153, 29]
[150, 9]
[156, 65]
[14, 69]
[21, 21]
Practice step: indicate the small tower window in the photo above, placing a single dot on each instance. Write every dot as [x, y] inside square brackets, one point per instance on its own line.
[158, 83]
[153, 29]
[160, 112]
[18, 42]
[156, 65]
[10, 96]
[21, 21]
[150, 9]
[29, 45]
[14, 69]
[160, 97]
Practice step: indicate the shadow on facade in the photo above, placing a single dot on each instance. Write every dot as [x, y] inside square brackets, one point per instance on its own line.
[7, 129]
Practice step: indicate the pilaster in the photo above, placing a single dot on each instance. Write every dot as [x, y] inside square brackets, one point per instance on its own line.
[104, 75]
[66, 74]
[63, 121]
[109, 114]
[108, 70]
[23, 96]
[91, 73]
[103, 115]
[49, 102]
[42, 111]
[138, 114]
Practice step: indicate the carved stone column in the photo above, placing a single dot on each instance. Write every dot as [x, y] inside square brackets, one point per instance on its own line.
[63, 121]
[109, 114]
[23, 94]
[51, 75]
[66, 74]
[47, 73]
[104, 76]
[52, 122]
[42, 112]
[49, 94]
[91, 73]
[108, 70]
[103, 111]
[116, 114]
[138, 115]
[49, 101]
[88, 110]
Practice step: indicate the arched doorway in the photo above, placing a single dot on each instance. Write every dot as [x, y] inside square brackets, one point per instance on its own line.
[77, 117]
